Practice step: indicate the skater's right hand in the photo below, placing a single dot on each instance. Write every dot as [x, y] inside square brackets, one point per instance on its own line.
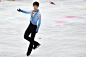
[19, 10]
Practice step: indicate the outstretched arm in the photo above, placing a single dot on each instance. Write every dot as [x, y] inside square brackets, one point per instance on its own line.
[39, 23]
[27, 12]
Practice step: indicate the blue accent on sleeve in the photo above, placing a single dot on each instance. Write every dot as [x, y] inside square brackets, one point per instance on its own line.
[27, 12]
[39, 23]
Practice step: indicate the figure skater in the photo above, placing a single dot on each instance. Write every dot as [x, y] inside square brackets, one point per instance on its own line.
[33, 27]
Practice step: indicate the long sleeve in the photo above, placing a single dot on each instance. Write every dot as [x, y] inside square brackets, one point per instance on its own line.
[27, 12]
[39, 23]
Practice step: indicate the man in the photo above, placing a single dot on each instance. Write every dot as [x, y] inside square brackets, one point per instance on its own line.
[33, 27]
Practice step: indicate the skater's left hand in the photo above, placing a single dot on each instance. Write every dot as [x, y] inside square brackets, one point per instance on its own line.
[36, 31]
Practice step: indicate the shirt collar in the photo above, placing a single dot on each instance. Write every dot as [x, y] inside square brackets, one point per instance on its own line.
[35, 13]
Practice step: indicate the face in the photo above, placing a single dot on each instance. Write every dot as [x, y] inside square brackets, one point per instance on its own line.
[35, 7]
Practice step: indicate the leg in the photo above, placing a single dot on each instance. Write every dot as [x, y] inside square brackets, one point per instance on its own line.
[27, 33]
[31, 43]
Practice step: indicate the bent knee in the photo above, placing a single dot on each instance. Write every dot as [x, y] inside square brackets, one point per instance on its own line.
[25, 36]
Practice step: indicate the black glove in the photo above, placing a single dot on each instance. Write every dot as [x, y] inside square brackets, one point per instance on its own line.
[19, 10]
[36, 31]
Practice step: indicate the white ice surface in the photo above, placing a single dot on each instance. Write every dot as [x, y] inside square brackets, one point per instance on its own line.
[66, 40]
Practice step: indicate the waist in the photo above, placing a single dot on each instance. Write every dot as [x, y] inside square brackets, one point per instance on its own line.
[32, 24]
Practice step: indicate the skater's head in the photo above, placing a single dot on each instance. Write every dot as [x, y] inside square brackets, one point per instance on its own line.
[36, 5]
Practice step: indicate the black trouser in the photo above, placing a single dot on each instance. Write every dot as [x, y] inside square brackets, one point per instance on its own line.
[31, 29]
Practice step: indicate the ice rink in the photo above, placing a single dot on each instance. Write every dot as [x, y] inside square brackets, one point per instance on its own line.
[62, 32]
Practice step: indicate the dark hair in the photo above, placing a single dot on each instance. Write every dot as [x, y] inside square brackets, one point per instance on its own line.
[36, 3]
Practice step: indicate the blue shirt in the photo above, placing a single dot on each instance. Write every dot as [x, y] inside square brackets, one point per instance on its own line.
[36, 19]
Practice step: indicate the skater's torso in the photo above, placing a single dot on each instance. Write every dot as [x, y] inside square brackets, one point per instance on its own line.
[36, 18]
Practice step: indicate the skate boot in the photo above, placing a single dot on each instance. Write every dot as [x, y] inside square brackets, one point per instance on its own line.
[36, 45]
